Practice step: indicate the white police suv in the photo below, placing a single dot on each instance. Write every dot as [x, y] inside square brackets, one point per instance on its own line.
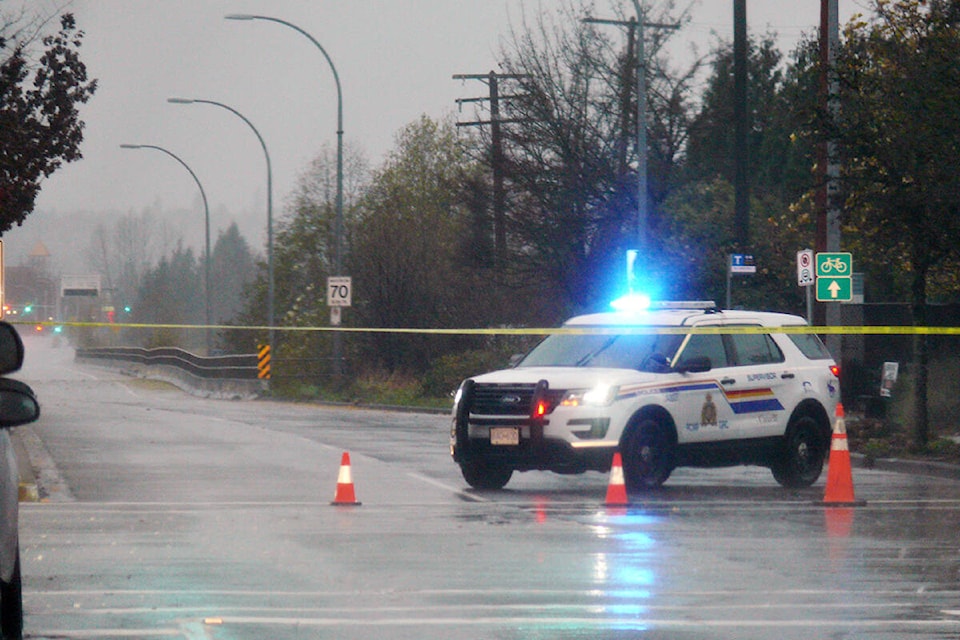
[679, 384]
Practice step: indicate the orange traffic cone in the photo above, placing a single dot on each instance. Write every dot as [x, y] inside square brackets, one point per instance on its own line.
[839, 491]
[345, 494]
[617, 490]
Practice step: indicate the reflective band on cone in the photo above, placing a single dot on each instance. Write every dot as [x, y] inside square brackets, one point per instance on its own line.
[345, 494]
[616, 490]
[839, 491]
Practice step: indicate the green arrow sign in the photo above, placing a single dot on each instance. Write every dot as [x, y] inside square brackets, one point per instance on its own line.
[834, 289]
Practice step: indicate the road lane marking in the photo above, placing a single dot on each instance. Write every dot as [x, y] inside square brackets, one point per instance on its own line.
[458, 491]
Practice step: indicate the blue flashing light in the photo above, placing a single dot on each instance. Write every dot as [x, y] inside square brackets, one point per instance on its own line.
[631, 302]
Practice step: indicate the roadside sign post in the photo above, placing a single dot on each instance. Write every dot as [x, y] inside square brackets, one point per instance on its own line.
[740, 264]
[339, 295]
[834, 277]
[805, 278]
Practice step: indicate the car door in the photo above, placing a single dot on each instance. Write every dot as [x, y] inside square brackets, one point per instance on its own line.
[757, 384]
[705, 414]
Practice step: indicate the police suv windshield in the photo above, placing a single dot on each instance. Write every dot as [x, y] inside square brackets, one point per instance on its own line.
[646, 352]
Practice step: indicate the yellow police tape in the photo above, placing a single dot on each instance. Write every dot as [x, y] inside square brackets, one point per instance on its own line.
[528, 331]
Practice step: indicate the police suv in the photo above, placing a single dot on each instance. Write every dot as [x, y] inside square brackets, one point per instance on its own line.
[680, 384]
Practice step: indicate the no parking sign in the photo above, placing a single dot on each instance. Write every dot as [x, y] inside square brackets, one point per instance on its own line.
[805, 273]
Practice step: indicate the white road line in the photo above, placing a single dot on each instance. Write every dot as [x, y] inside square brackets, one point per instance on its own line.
[107, 633]
[446, 487]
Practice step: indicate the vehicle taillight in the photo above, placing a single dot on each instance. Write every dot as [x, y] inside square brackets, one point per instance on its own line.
[835, 370]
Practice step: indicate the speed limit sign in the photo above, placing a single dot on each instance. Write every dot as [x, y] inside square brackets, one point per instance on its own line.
[805, 272]
[338, 291]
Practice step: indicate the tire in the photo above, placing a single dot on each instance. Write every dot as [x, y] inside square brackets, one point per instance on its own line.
[800, 462]
[481, 475]
[11, 606]
[649, 455]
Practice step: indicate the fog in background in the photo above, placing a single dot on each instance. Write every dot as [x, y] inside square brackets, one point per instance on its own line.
[395, 59]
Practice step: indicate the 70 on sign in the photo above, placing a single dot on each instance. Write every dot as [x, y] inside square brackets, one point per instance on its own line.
[338, 291]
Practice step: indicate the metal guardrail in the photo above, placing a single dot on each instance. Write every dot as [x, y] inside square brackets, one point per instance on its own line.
[217, 376]
[235, 367]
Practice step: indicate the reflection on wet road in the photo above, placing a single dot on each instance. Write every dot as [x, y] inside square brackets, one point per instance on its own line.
[189, 518]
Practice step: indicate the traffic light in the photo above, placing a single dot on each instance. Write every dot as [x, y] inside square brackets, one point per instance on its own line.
[27, 308]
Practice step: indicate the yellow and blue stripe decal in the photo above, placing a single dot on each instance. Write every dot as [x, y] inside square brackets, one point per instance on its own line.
[740, 401]
[753, 400]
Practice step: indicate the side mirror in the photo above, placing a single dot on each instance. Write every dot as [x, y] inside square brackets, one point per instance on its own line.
[697, 364]
[18, 403]
[11, 349]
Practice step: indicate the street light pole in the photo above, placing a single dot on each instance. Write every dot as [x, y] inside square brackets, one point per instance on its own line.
[206, 215]
[641, 134]
[338, 229]
[266, 155]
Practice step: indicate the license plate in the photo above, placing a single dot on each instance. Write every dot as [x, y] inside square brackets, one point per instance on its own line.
[504, 436]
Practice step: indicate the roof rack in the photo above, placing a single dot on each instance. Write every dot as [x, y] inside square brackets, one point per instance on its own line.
[684, 304]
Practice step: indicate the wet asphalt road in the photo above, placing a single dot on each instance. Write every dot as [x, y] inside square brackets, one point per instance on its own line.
[169, 516]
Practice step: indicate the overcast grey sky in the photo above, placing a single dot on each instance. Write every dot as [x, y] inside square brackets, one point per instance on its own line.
[395, 59]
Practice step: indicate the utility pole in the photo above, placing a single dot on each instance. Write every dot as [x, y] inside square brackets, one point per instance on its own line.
[496, 157]
[642, 205]
[828, 162]
[741, 118]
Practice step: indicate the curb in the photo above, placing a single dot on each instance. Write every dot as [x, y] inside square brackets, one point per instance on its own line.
[915, 467]
[28, 479]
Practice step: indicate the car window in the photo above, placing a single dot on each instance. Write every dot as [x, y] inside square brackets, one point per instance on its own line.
[755, 348]
[703, 345]
[626, 351]
[810, 345]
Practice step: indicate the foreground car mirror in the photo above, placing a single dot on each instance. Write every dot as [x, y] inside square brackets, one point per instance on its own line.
[11, 349]
[18, 404]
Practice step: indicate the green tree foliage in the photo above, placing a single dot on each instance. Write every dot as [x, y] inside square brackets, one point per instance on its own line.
[899, 127]
[779, 164]
[304, 256]
[172, 294]
[232, 270]
[900, 130]
[40, 125]
[405, 256]
[698, 238]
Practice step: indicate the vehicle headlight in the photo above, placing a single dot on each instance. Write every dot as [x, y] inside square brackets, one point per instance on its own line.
[599, 396]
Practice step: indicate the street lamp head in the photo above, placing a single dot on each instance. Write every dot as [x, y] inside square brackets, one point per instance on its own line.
[180, 100]
[239, 16]
[131, 146]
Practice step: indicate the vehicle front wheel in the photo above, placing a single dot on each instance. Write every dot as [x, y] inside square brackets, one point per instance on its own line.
[648, 455]
[804, 450]
[482, 475]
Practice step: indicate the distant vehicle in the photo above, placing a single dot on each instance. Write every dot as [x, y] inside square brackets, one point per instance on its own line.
[640, 382]
[18, 405]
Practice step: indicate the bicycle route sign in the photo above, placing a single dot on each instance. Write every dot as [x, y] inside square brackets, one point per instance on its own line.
[834, 277]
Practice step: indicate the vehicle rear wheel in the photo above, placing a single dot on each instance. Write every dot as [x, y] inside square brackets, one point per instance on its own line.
[11, 606]
[648, 455]
[804, 450]
[482, 475]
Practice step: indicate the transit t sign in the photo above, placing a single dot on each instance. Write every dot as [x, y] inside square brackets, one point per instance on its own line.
[834, 277]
